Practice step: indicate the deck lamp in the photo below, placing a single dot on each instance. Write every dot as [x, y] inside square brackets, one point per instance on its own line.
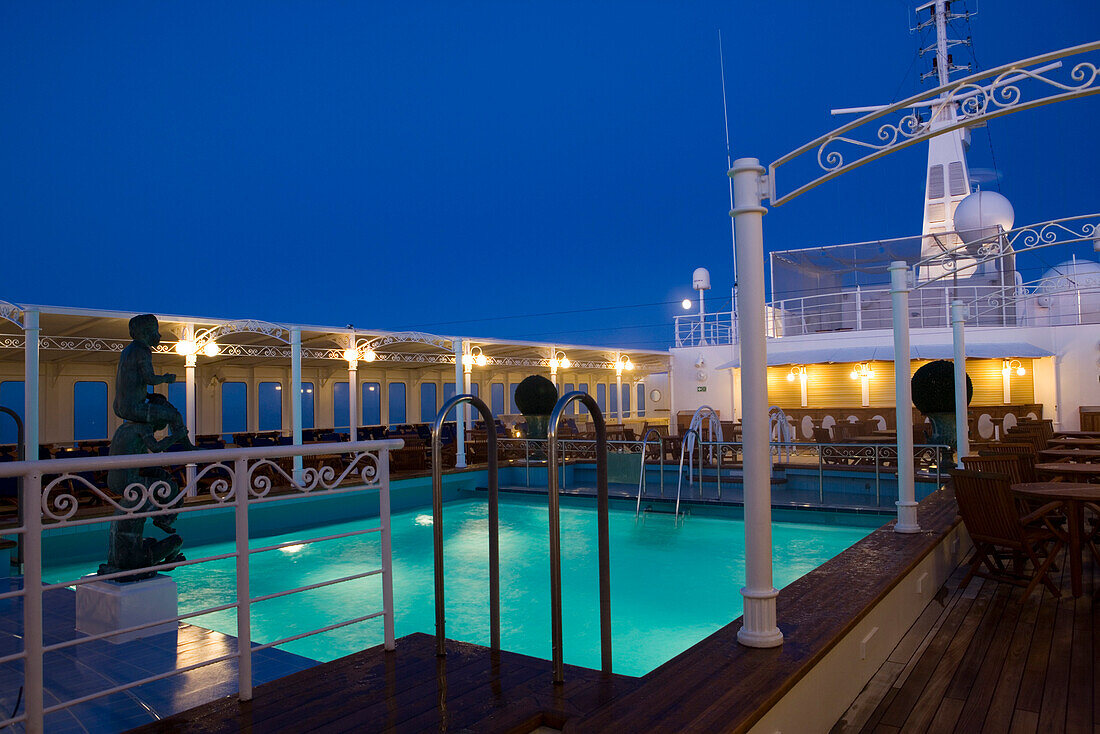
[623, 364]
[560, 360]
[351, 355]
[474, 357]
[862, 370]
[185, 347]
[369, 355]
[796, 372]
[1012, 365]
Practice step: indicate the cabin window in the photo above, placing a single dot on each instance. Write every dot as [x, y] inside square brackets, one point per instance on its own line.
[448, 393]
[307, 404]
[640, 410]
[601, 397]
[614, 406]
[584, 388]
[626, 401]
[496, 391]
[397, 403]
[89, 410]
[340, 405]
[177, 396]
[512, 398]
[428, 407]
[566, 389]
[12, 395]
[372, 404]
[271, 406]
[234, 409]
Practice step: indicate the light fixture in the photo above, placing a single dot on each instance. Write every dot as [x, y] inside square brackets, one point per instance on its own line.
[474, 357]
[1013, 365]
[278, 387]
[351, 355]
[686, 303]
[211, 349]
[796, 372]
[369, 355]
[185, 348]
[623, 364]
[863, 369]
[560, 360]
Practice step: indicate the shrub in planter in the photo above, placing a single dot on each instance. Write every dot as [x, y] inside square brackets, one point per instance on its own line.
[536, 397]
[934, 395]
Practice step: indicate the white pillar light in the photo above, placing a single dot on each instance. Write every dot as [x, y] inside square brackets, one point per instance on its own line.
[296, 395]
[461, 375]
[903, 399]
[759, 628]
[351, 354]
[31, 333]
[190, 363]
[962, 428]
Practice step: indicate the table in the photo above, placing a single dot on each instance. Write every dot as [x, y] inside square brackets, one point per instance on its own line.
[1073, 497]
[1075, 441]
[1077, 434]
[1085, 455]
[1080, 472]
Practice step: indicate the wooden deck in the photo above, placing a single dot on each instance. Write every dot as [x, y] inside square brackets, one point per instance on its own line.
[981, 661]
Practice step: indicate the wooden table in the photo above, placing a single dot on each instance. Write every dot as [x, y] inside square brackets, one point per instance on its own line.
[1077, 434]
[1079, 472]
[1075, 441]
[1068, 454]
[1073, 497]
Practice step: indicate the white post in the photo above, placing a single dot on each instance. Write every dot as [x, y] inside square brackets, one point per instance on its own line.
[31, 333]
[460, 411]
[387, 548]
[353, 392]
[1006, 382]
[962, 428]
[759, 628]
[32, 588]
[244, 599]
[619, 395]
[189, 365]
[296, 396]
[903, 399]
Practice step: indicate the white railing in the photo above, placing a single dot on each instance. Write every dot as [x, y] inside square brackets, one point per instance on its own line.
[1029, 304]
[62, 495]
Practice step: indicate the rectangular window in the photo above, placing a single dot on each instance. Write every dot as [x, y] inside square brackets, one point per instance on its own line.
[566, 389]
[340, 405]
[307, 405]
[89, 410]
[234, 409]
[12, 395]
[613, 408]
[271, 406]
[372, 404]
[641, 401]
[428, 407]
[626, 401]
[397, 403]
[496, 403]
[448, 393]
[512, 398]
[601, 397]
[177, 396]
[584, 388]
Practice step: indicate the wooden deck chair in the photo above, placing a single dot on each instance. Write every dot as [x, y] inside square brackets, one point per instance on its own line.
[994, 523]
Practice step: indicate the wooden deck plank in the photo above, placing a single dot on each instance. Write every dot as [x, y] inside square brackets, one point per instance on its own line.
[947, 716]
[977, 655]
[1052, 715]
[1030, 697]
[998, 714]
[1024, 722]
[1079, 718]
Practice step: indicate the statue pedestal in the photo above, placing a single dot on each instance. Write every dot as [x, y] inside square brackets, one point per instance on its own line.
[103, 606]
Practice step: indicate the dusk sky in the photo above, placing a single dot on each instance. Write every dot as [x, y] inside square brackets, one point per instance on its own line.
[439, 166]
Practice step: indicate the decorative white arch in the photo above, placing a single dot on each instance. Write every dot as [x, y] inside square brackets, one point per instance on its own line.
[11, 312]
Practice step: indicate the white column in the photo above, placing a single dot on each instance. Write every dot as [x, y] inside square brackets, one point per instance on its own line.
[759, 628]
[353, 392]
[296, 394]
[31, 334]
[618, 396]
[460, 414]
[903, 399]
[962, 432]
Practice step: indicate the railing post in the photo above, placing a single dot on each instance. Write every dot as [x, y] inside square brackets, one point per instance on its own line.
[244, 599]
[962, 424]
[903, 399]
[759, 628]
[387, 548]
[32, 600]
[859, 310]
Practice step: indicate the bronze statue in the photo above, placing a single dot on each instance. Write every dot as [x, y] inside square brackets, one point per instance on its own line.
[144, 414]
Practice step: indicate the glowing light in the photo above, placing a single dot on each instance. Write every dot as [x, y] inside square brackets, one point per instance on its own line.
[423, 520]
[370, 356]
[790, 377]
[293, 548]
[686, 303]
[278, 387]
[185, 348]
[351, 355]
[481, 360]
[566, 363]
[1020, 371]
[862, 370]
[211, 349]
[467, 360]
[371, 388]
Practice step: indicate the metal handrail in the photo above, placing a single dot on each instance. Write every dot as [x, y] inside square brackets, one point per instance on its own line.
[494, 521]
[602, 529]
[21, 455]
[641, 476]
[680, 472]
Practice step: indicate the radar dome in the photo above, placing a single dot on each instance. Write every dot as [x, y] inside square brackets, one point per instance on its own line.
[978, 215]
[700, 279]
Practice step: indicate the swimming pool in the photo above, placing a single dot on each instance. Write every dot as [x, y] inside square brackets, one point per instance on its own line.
[671, 585]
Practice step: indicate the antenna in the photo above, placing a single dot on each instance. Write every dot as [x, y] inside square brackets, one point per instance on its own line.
[729, 162]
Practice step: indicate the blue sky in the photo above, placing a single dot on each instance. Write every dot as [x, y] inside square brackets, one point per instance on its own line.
[441, 165]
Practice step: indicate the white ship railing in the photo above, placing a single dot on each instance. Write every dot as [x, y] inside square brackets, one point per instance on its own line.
[235, 479]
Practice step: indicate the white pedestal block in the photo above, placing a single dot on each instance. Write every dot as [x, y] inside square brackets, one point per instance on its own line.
[104, 606]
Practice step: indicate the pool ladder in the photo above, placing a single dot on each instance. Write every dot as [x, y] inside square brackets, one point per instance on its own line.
[641, 473]
[603, 531]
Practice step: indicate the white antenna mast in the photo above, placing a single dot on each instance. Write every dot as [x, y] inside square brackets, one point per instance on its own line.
[729, 164]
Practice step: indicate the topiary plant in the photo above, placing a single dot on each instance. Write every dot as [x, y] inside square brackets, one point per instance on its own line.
[536, 396]
[934, 388]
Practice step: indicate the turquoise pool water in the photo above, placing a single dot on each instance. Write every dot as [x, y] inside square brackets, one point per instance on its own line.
[671, 586]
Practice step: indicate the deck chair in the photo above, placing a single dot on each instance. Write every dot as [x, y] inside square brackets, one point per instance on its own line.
[1011, 465]
[995, 525]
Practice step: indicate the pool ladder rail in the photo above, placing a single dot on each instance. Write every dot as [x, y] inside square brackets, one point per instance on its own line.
[602, 521]
[641, 473]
